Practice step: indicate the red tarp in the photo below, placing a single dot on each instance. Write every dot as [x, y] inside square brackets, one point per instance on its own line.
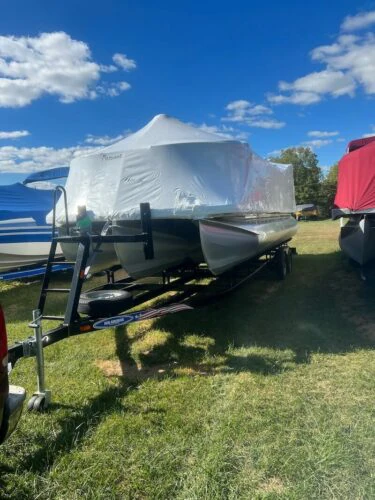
[356, 178]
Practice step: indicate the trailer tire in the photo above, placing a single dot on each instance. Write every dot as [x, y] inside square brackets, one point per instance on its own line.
[289, 260]
[281, 264]
[104, 303]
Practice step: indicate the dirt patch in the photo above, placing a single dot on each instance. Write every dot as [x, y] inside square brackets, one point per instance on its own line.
[272, 485]
[131, 371]
[115, 368]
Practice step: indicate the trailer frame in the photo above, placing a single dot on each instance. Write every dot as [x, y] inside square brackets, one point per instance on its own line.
[183, 280]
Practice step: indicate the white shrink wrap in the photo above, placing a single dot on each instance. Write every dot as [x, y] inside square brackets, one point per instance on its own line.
[182, 171]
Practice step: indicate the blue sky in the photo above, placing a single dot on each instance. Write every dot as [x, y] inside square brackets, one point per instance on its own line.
[76, 75]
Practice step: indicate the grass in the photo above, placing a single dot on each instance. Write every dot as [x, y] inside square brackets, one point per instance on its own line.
[267, 394]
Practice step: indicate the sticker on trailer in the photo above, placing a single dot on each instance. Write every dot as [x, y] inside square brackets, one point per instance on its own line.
[125, 319]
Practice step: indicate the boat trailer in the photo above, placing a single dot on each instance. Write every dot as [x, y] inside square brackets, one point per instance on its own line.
[112, 304]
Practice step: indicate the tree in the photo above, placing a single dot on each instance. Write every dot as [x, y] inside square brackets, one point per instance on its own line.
[307, 173]
[328, 190]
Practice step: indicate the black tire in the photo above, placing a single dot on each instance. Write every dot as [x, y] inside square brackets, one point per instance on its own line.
[103, 303]
[281, 264]
[289, 261]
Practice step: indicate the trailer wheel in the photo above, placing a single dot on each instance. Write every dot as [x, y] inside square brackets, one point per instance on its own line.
[281, 264]
[289, 260]
[102, 303]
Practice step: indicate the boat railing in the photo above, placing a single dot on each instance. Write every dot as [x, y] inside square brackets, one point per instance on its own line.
[61, 190]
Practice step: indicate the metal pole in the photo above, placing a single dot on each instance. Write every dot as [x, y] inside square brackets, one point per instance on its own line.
[39, 351]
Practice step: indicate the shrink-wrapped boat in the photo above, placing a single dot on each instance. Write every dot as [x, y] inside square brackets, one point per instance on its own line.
[212, 198]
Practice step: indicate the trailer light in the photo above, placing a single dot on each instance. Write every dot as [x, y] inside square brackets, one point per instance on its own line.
[85, 328]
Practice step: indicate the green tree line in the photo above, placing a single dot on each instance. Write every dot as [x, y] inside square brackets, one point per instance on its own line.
[311, 186]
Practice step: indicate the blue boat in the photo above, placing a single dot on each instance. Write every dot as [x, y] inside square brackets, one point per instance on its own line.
[25, 237]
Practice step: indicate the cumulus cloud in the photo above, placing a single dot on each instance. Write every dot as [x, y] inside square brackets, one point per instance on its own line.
[49, 64]
[26, 160]
[124, 62]
[224, 131]
[252, 115]
[349, 64]
[14, 134]
[321, 133]
[313, 144]
[105, 140]
[112, 89]
[359, 21]
[317, 143]
[23, 160]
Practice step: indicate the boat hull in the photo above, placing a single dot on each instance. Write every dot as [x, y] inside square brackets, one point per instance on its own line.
[24, 243]
[105, 258]
[175, 241]
[357, 239]
[221, 243]
[231, 241]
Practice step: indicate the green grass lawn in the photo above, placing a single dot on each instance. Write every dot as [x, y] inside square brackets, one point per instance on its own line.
[268, 393]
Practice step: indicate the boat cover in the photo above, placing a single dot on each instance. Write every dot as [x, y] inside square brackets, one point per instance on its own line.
[47, 175]
[356, 180]
[182, 171]
[18, 201]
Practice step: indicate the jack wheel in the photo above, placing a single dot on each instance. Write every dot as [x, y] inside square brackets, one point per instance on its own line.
[37, 403]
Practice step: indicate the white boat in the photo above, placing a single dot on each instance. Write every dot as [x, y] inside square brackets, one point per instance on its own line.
[23, 243]
[212, 199]
[25, 237]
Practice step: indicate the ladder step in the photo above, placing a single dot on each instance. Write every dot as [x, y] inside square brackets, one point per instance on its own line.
[70, 262]
[53, 317]
[57, 290]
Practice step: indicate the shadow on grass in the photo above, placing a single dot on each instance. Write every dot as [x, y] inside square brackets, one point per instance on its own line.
[322, 307]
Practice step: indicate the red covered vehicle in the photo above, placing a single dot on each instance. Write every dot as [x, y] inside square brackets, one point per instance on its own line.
[355, 200]
[11, 396]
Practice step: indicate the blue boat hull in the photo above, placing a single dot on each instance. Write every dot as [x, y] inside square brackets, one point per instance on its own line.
[23, 243]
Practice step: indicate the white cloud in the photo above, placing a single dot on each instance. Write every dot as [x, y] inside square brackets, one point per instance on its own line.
[311, 88]
[320, 133]
[252, 115]
[356, 58]
[110, 68]
[50, 63]
[266, 123]
[224, 131]
[105, 140]
[359, 21]
[317, 143]
[314, 144]
[113, 89]
[15, 134]
[124, 62]
[302, 98]
[349, 64]
[25, 160]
